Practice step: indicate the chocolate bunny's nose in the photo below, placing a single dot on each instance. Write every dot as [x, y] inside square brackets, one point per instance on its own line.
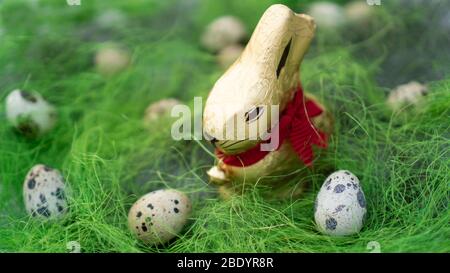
[212, 139]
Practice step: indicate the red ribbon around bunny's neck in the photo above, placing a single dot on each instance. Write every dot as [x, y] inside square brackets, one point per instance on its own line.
[296, 126]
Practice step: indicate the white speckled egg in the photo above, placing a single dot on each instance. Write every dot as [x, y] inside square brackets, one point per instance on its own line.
[410, 93]
[159, 216]
[340, 207]
[44, 193]
[30, 113]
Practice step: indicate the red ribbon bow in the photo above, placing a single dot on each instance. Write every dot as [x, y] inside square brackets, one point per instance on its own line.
[295, 125]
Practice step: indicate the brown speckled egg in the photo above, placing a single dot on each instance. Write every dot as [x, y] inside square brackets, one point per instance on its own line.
[112, 59]
[222, 32]
[359, 12]
[159, 216]
[44, 193]
[229, 55]
[327, 15]
[159, 109]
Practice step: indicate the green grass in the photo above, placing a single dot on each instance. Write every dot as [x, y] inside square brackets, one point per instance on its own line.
[110, 158]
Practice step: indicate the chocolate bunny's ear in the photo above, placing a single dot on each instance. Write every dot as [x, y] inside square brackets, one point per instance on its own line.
[280, 40]
[283, 58]
[303, 27]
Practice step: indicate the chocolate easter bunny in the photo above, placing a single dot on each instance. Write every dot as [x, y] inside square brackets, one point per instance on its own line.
[264, 77]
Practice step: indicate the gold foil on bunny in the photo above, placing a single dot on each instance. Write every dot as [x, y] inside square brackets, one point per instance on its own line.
[266, 74]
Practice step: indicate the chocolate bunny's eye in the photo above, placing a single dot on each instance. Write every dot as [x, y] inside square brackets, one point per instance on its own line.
[254, 114]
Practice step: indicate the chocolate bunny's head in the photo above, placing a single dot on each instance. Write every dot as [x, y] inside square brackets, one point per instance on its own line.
[265, 75]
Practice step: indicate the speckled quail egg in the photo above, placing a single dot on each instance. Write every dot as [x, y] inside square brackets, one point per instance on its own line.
[29, 113]
[359, 12]
[111, 59]
[340, 207]
[159, 216]
[222, 32]
[229, 55]
[410, 93]
[327, 14]
[111, 18]
[159, 109]
[44, 193]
